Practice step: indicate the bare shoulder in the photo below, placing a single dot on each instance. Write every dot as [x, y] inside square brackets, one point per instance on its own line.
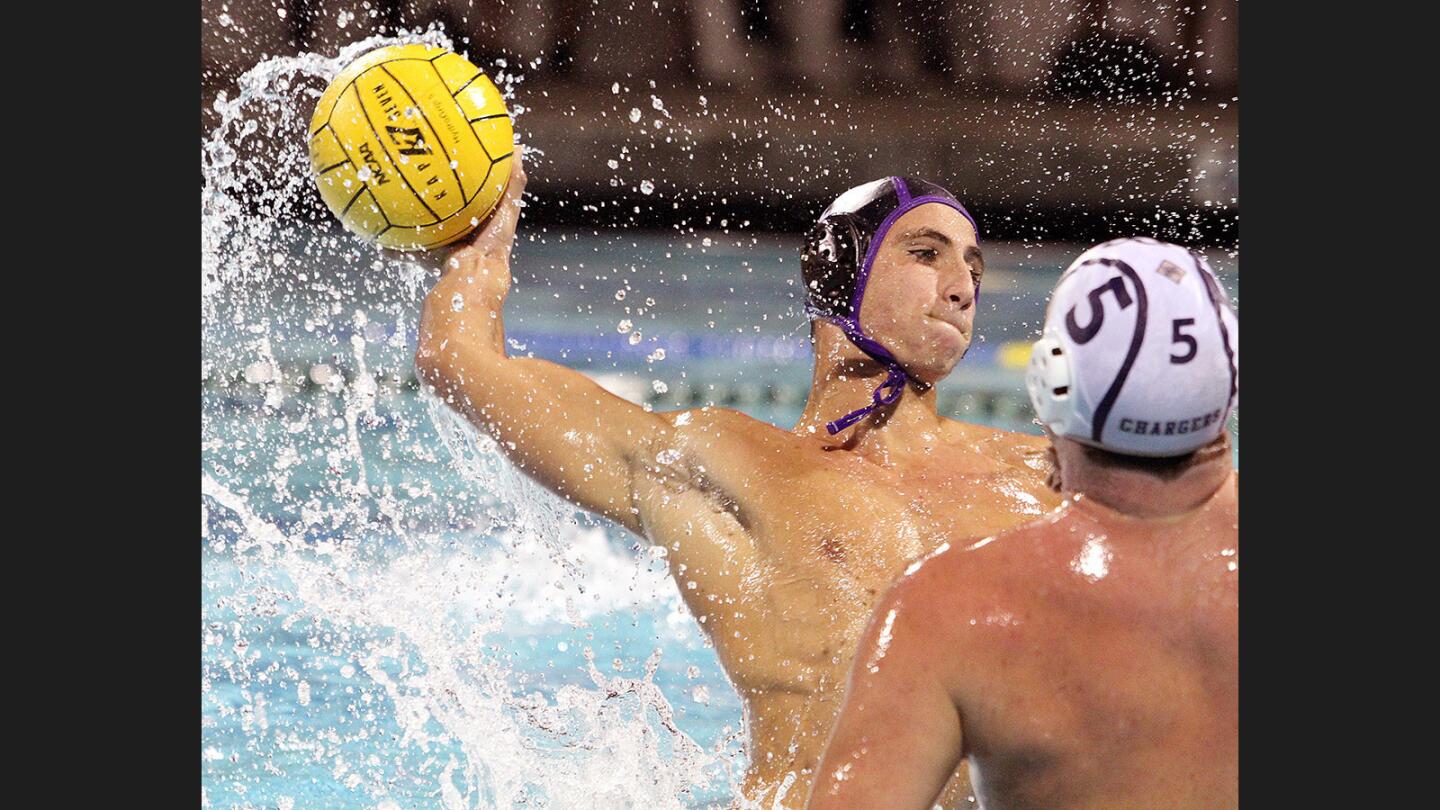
[710, 426]
[1005, 446]
[961, 573]
[733, 442]
[994, 438]
[746, 467]
[926, 608]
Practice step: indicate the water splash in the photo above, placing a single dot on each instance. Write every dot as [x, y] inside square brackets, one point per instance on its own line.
[380, 585]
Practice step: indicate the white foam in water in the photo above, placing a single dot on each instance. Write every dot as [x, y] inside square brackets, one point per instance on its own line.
[442, 604]
[317, 531]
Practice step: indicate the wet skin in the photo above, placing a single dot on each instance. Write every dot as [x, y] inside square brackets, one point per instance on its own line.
[780, 540]
[1088, 660]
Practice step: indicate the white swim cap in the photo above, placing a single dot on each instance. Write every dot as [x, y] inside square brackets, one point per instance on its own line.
[1141, 351]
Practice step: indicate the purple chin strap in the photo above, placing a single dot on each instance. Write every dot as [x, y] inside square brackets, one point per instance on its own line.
[889, 391]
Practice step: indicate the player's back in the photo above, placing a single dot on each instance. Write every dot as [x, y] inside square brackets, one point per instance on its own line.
[1096, 660]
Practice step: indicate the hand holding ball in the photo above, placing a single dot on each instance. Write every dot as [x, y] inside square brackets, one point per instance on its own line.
[411, 146]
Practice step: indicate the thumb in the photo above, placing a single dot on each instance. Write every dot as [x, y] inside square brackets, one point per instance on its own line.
[508, 209]
[515, 186]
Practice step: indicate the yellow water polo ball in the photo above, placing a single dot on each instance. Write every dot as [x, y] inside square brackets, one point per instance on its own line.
[411, 146]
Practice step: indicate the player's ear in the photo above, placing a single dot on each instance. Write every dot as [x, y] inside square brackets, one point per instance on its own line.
[1052, 475]
[828, 261]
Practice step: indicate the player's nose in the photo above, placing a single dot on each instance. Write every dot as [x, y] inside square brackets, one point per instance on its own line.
[957, 290]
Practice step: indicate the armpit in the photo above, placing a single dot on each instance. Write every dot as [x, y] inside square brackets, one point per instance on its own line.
[713, 450]
[674, 470]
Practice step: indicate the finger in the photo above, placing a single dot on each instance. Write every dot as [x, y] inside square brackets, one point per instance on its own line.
[515, 186]
[507, 212]
[501, 222]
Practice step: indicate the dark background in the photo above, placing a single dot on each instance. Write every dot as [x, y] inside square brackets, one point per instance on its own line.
[1052, 119]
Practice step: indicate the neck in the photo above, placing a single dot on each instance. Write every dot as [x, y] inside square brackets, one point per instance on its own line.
[1143, 495]
[844, 380]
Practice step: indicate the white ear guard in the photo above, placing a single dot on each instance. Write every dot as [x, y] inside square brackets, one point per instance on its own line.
[1047, 378]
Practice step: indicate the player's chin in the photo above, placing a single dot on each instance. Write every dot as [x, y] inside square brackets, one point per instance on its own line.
[946, 344]
[933, 366]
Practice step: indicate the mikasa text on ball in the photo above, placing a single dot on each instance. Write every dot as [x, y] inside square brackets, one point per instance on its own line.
[411, 146]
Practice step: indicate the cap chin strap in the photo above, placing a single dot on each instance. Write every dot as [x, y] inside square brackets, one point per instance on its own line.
[888, 392]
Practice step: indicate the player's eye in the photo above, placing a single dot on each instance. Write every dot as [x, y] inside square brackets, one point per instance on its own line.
[925, 254]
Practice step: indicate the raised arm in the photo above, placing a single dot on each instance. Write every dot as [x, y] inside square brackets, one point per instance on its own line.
[577, 439]
[898, 738]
